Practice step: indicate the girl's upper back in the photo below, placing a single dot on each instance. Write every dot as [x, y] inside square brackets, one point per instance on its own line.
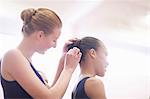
[79, 92]
[89, 88]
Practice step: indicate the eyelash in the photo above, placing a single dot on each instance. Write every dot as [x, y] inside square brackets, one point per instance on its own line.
[54, 40]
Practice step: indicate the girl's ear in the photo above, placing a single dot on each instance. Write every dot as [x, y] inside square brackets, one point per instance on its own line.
[92, 53]
[40, 35]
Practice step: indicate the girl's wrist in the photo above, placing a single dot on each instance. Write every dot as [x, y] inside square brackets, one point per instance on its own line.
[69, 70]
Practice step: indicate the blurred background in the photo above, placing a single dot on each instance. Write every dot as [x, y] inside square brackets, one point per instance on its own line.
[123, 25]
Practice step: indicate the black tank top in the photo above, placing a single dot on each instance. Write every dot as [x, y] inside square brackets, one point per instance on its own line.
[12, 89]
[79, 92]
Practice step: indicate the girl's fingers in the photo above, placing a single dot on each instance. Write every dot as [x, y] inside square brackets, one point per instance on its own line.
[73, 39]
[76, 50]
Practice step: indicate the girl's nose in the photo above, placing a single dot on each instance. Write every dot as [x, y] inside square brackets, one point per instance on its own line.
[55, 44]
[106, 64]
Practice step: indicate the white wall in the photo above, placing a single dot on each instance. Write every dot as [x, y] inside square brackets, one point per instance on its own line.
[127, 76]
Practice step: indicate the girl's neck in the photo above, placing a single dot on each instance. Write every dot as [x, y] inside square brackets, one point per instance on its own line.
[86, 74]
[87, 70]
[26, 48]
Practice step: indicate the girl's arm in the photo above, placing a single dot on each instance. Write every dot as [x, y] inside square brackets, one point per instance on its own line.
[17, 67]
[61, 61]
[59, 69]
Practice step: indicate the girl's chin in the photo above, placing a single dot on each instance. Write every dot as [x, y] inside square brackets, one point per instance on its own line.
[42, 52]
[101, 75]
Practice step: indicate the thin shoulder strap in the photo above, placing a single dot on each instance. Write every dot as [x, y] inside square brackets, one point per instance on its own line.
[36, 72]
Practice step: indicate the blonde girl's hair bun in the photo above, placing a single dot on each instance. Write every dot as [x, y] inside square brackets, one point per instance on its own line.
[27, 14]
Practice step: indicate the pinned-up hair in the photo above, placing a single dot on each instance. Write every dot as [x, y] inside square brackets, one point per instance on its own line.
[86, 44]
[42, 19]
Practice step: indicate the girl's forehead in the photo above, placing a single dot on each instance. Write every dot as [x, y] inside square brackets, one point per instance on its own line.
[56, 32]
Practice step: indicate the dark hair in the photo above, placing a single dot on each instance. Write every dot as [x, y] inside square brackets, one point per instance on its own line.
[86, 44]
[42, 19]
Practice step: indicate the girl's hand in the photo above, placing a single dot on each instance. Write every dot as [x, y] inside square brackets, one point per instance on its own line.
[72, 59]
[68, 43]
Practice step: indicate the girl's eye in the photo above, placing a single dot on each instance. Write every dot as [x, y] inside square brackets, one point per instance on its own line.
[54, 40]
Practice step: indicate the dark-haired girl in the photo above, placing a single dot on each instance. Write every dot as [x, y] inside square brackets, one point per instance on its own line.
[93, 63]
